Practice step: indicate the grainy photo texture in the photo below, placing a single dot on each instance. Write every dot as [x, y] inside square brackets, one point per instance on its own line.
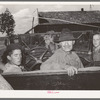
[49, 46]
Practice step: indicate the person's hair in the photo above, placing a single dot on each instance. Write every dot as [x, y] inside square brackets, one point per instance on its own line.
[5, 54]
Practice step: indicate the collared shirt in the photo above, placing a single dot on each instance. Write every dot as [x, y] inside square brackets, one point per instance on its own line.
[60, 59]
[12, 68]
[96, 54]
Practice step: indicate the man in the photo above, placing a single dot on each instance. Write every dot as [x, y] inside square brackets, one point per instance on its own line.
[96, 48]
[12, 58]
[64, 58]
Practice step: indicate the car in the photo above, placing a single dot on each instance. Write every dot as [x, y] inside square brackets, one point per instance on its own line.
[86, 79]
[34, 79]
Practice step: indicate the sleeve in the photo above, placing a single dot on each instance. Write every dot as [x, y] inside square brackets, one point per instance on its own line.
[55, 62]
[80, 65]
[4, 85]
[47, 65]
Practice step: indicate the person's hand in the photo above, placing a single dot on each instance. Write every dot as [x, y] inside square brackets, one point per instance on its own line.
[71, 70]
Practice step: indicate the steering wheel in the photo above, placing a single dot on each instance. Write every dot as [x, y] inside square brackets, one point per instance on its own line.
[35, 57]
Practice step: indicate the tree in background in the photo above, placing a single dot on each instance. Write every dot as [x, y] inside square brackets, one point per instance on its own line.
[7, 23]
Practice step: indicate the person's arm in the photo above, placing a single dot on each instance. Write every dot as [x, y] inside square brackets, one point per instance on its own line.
[55, 62]
[80, 65]
[48, 64]
[4, 85]
[71, 70]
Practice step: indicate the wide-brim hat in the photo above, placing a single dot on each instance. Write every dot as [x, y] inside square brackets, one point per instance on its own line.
[66, 36]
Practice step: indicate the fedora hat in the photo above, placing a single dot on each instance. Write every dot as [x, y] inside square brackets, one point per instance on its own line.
[65, 36]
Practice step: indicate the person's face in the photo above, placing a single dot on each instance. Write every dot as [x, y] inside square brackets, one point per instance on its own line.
[48, 39]
[96, 40]
[16, 57]
[67, 45]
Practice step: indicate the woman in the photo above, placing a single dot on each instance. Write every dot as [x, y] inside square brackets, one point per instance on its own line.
[96, 48]
[12, 58]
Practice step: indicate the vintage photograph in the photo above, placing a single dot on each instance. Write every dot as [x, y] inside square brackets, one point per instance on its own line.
[49, 46]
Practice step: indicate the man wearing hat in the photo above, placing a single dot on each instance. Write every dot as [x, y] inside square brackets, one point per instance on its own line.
[64, 58]
[4, 85]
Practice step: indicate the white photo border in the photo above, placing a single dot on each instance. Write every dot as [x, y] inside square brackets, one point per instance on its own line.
[44, 93]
